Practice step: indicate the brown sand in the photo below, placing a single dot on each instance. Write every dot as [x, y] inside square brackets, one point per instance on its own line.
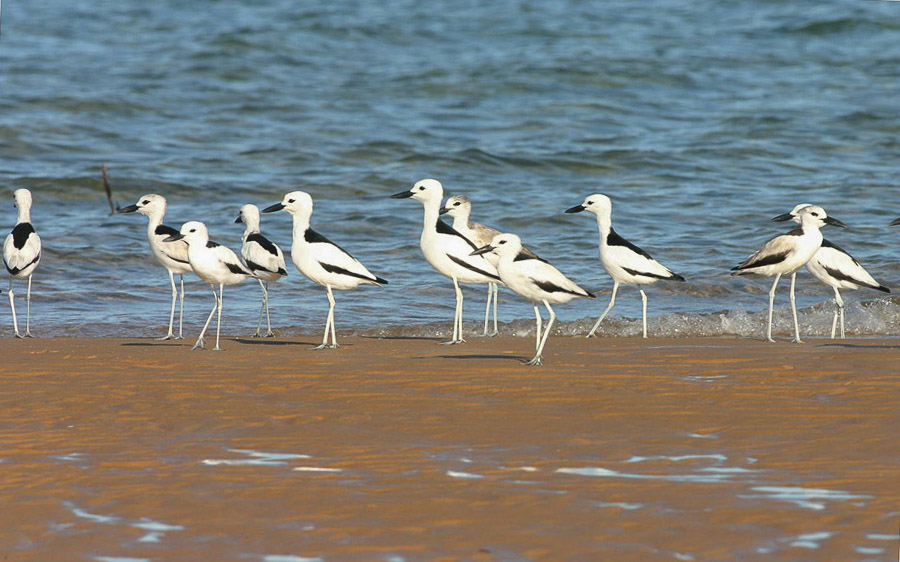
[738, 449]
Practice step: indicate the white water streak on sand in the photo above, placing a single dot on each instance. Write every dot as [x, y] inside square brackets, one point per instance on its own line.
[464, 475]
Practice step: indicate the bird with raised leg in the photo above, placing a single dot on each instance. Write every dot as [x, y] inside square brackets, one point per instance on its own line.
[263, 257]
[171, 255]
[786, 254]
[623, 261]
[321, 260]
[213, 263]
[21, 256]
[448, 250]
[835, 267]
[533, 279]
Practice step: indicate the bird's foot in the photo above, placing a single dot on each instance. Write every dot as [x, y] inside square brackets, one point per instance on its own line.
[494, 334]
[796, 340]
[198, 345]
[20, 336]
[269, 334]
[327, 346]
[537, 360]
[28, 335]
[179, 337]
[591, 335]
[256, 335]
[453, 342]
[217, 348]
[770, 340]
[169, 336]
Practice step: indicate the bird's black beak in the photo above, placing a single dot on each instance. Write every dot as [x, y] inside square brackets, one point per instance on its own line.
[482, 250]
[128, 209]
[402, 195]
[895, 222]
[575, 209]
[173, 237]
[444, 210]
[834, 222]
[238, 220]
[271, 209]
[782, 218]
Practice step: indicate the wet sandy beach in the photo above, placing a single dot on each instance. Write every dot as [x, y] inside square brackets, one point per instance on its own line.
[403, 449]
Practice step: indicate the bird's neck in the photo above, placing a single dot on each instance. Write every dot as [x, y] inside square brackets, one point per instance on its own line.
[604, 225]
[432, 215]
[155, 219]
[250, 229]
[460, 223]
[24, 215]
[301, 224]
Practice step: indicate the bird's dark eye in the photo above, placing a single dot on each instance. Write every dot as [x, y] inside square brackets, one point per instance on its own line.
[421, 188]
[590, 202]
[290, 200]
[456, 204]
[145, 202]
[503, 241]
[815, 214]
[193, 230]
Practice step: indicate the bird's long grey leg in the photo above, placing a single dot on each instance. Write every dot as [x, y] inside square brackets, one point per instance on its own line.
[12, 305]
[840, 306]
[269, 332]
[219, 321]
[794, 310]
[170, 334]
[771, 306]
[262, 308]
[199, 343]
[181, 310]
[487, 308]
[457, 318]
[537, 328]
[644, 303]
[28, 310]
[538, 357]
[612, 301]
[496, 298]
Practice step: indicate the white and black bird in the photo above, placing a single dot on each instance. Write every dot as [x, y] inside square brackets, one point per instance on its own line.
[460, 208]
[21, 255]
[261, 256]
[625, 262]
[835, 267]
[213, 263]
[534, 279]
[171, 255]
[448, 250]
[786, 254]
[321, 260]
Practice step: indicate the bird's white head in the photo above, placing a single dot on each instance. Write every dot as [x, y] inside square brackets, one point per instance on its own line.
[22, 199]
[458, 206]
[249, 215]
[297, 203]
[808, 214]
[426, 191]
[599, 204]
[502, 245]
[149, 205]
[192, 232]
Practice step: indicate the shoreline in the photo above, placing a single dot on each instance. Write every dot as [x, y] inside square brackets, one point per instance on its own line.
[617, 448]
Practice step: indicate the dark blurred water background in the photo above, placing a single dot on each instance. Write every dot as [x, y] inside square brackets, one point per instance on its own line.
[701, 119]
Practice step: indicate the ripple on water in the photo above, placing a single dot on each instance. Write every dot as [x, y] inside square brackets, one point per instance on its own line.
[808, 498]
[256, 458]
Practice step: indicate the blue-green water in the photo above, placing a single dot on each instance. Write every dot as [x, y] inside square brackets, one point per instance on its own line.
[700, 119]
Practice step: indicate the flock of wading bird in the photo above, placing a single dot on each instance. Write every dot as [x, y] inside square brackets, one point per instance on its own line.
[466, 252]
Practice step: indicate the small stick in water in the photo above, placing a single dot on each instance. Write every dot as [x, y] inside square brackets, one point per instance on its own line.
[112, 208]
